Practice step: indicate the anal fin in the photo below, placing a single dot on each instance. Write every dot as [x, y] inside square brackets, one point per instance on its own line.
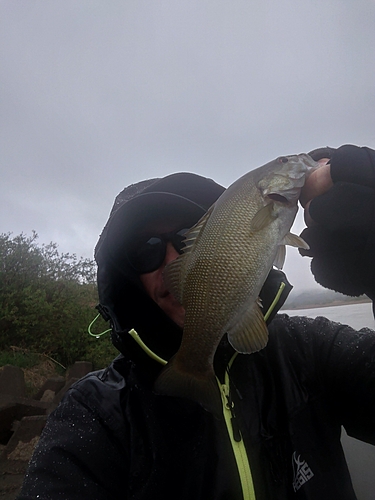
[280, 257]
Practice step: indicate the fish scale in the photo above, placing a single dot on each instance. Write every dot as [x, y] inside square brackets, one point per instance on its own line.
[227, 257]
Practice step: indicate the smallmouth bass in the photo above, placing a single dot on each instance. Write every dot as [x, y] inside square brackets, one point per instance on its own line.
[226, 260]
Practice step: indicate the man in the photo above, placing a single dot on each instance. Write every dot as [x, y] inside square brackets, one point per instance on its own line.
[279, 438]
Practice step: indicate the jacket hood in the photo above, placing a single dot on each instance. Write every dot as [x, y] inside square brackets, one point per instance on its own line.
[180, 200]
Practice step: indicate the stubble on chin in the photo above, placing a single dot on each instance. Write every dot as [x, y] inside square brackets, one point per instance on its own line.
[174, 310]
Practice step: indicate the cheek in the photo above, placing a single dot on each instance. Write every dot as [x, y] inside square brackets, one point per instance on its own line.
[149, 282]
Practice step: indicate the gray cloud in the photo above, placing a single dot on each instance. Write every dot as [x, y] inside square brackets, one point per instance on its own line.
[97, 95]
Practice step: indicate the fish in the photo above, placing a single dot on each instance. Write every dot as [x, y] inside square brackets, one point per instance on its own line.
[226, 259]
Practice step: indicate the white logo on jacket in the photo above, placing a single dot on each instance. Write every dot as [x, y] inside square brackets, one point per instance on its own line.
[301, 472]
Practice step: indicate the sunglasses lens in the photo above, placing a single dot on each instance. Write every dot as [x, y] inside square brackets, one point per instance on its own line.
[148, 255]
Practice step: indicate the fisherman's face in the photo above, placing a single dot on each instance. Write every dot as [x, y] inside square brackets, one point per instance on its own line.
[154, 285]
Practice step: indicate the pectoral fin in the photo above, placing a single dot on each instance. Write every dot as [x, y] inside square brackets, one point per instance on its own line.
[249, 334]
[262, 218]
[292, 240]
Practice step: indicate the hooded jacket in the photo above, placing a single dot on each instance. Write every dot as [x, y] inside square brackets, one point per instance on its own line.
[114, 437]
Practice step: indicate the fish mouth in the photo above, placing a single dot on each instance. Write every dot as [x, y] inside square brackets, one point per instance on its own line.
[278, 197]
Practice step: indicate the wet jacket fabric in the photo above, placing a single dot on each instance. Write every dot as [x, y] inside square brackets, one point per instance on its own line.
[112, 437]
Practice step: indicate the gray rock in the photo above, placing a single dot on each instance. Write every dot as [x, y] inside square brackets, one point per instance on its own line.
[12, 381]
[79, 369]
[13, 409]
[21, 445]
[52, 385]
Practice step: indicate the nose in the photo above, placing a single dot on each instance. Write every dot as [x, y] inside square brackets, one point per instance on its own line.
[170, 253]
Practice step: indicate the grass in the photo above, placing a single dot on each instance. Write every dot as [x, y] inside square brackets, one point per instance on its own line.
[38, 367]
[21, 359]
[37, 375]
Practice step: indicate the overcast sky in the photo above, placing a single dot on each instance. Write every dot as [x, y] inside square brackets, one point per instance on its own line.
[96, 95]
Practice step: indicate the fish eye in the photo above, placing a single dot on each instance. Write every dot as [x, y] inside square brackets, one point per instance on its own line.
[278, 197]
[283, 159]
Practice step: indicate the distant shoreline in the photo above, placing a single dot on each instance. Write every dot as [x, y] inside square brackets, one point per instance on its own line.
[326, 304]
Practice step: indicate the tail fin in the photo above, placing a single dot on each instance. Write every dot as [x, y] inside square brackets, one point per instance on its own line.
[203, 389]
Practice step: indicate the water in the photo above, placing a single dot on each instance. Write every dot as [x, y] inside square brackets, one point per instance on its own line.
[360, 456]
[355, 315]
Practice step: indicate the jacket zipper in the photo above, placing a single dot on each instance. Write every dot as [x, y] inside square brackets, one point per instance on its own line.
[233, 429]
[235, 437]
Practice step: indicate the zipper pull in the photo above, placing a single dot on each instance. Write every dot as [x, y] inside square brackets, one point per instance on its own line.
[229, 405]
[235, 428]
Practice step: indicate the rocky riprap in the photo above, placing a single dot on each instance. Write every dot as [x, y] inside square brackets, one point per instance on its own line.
[22, 420]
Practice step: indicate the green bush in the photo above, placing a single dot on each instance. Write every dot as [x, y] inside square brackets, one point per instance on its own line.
[47, 300]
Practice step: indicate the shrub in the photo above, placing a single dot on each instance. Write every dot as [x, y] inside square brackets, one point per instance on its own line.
[47, 300]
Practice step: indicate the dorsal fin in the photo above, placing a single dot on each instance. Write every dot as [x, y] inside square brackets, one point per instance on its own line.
[192, 235]
[175, 270]
[172, 277]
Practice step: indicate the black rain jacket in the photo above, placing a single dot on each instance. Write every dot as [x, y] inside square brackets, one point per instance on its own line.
[112, 437]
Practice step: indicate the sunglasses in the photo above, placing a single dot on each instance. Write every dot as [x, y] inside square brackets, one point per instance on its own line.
[148, 253]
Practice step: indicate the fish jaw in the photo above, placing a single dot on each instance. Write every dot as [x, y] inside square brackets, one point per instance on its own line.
[285, 181]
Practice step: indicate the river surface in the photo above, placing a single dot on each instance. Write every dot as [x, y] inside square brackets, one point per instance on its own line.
[360, 456]
[355, 315]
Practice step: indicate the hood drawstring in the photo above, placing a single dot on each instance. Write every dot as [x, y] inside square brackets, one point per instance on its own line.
[146, 349]
[163, 362]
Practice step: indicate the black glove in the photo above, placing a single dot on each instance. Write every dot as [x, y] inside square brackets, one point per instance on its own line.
[342, 243]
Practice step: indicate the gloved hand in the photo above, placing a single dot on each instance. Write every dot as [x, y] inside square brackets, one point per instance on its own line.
[341, 232]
